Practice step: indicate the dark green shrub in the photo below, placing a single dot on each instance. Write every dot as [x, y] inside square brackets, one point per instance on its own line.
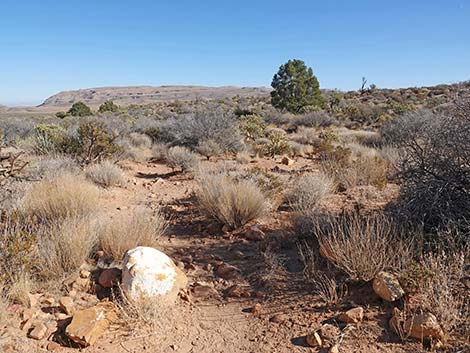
[80, 109]
[108, 106]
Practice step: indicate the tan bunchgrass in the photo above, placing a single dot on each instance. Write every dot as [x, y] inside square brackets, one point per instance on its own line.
[59, 198]
[308, 190]
[232, 202]
[362, 246]
[64, 245]
[140, 227]
[105, 174]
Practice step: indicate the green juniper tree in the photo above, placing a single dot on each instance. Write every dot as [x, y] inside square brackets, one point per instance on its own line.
[296, 89]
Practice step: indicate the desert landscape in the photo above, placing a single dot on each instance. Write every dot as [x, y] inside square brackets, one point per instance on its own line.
[340, 227]
[235, 176]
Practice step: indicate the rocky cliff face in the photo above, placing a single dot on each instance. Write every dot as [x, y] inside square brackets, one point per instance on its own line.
[148, 94]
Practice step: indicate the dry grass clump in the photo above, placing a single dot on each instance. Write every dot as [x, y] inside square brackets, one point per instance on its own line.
[105, 174]
[230, 201]
[361, 246]
[306, 136]
[140, 140]
[20, 288]
[159, 152]
[60, 198]
[357, 166]
[181, 157]
[138, 228]
[65, 245]
[309, 189]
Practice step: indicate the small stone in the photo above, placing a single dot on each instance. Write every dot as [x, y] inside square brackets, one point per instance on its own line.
[260, 295]
[81, 284]
[203, 291]
[255, 234]
[100, 254]
[38, 332]
[352, 316]
[287, 161]
[237, 291]
[109, 277]
[208, 267]
[278, 318]
[329, 334]
[33, 300]
[257, 309]
[85, 274]
[314, 340]
[387, 287]
[73, 293]
[67, 305]
[52, 346]
[90, 324]
[29, 313]
[50, 301]
[226, 271]
[180, 264]
[334, 349]
[273, 329]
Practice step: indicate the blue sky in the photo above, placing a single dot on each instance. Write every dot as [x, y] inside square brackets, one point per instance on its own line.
[51, 45]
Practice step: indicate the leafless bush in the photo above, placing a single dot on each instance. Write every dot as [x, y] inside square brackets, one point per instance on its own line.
[105, 174]
[49, 168]
[299, 149]
[181, 157]
[232, 202]
[435, 163]
[213, 123]
[308, 189]
[139, 228]
[159, 152]
[60, 198]
[361, 246]
[306, 136]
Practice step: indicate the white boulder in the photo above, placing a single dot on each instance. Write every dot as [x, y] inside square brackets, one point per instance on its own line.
[150, 274]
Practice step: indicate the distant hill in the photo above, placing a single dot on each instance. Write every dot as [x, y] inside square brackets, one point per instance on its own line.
[149, 94]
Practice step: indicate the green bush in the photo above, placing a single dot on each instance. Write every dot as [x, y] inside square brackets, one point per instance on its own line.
[80, 109]
[108, 106]
[277, 145]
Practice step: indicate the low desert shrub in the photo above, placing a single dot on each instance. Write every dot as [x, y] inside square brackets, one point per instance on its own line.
[105, 174]
[181, 157]
[309, 189]
[139, 228]
[278, 143]
[80, 109]
[59, 198]
[139, 140]
[299, 149]
[108, 106]
[306, 136]
[49, 168]
[316, 119]
[159, 152]
[434, 164]
[232, 202]
[208, 148]
[361, 246]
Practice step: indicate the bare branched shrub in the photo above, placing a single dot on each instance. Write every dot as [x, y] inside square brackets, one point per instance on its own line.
[49, 168]
[299, 149]
[105, 174]
[181, 157]
[159, 152]
[361, 246]
[211, 123]
[442, 294]
[64, 245]
[139, 228]
[232, 202]
[140, 140]
[435, 163]
[57, 199]
[309, 189]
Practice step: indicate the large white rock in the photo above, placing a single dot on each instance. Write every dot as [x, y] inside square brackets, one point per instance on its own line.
[148, 273]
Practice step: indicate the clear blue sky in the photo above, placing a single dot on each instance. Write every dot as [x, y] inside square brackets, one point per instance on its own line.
[51, 45]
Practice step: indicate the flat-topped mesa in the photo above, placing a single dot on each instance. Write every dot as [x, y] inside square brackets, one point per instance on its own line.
[150, 94]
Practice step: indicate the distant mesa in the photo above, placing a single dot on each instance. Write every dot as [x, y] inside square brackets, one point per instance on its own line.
[150, 94]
